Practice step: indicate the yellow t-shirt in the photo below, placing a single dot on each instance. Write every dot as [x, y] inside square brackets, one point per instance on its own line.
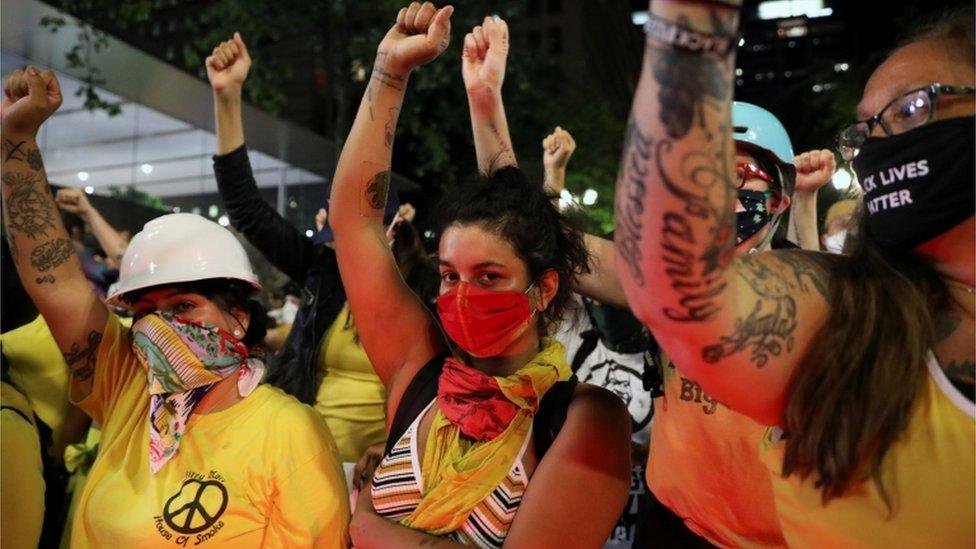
[260, 473]
[38, 368]
[929, 474]
[21, 472]
[703, 464]
[351, 397]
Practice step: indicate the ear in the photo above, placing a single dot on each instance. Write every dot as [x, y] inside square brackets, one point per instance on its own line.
[240, 316]
[548, 286]
[781, 203]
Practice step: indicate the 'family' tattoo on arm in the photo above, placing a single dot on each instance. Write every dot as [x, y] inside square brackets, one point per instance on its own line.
[81, 361]
[697, 229]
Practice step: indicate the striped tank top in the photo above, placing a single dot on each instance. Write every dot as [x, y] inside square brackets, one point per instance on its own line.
[398, 485]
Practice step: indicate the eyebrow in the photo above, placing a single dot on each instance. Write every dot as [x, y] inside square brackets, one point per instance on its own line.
[901, 90]
[171, 293]
[478, 266]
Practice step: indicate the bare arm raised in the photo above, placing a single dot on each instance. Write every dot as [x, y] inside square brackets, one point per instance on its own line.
[740, 327]
[42, 251]
[483, 69]
[397, 332]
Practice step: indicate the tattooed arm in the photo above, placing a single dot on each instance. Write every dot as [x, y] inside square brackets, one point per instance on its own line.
[397, 333]
[42, 251]
[73, 200]
[736, 327]
[483, 69]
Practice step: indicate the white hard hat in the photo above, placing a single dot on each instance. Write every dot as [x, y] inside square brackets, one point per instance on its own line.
[181, 247]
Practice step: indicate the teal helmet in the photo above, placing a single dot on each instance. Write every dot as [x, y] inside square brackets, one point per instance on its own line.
[760, 132]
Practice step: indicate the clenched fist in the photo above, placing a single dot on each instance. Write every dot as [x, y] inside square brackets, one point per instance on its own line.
[29, 98]
[485, 55]
[420, 34]
[557, 147]
[73, 201]
[227, 66]
[813, 170]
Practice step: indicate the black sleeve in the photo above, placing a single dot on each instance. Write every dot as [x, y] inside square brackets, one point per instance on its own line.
[280, 242]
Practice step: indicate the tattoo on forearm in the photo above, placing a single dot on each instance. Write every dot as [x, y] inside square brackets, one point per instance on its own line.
[14, 150]
[390, 129]
[387, 78]
[29, 209]
[768, 330]
[630, 204]
[19, 151]
[696, 240]
[374, 194]
[687, 79]
[51, 254]
[46, 279]
[81, 361]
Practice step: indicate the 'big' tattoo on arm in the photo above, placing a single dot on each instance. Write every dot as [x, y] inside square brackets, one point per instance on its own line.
[81, 360]
[768, 329]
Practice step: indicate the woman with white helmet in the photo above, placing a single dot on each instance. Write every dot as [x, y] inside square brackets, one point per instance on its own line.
[193, 449]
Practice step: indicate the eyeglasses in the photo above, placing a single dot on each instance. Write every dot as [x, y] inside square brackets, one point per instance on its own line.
[750, 171]
[914, 109]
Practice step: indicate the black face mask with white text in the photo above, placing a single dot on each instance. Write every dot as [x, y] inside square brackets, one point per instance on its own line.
[918, 184]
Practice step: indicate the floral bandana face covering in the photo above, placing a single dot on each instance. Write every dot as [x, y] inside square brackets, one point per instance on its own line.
[184, 360]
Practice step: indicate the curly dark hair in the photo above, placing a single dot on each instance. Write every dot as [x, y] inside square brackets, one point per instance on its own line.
[506, 203]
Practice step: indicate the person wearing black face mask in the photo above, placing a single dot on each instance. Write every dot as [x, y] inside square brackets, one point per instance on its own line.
[861, 365]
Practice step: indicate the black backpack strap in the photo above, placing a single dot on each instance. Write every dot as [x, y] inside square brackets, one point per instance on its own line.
[19, 412]
[552, 414]
[422, 390]
[589, 340]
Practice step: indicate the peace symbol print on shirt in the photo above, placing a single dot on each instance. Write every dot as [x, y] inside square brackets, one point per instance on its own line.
[197, 505]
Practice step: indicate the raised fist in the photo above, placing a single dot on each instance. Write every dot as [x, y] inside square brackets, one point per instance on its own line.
[29, 98]
[73, 201]
[557, 147]
[484, 56]
[227, 66]
[814, 169]
[420, 34]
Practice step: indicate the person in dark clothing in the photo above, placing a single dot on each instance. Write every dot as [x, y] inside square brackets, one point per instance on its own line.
[323, 337]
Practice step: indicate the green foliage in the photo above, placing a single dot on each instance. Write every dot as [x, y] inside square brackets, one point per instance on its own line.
[337, 37]
[133, 194]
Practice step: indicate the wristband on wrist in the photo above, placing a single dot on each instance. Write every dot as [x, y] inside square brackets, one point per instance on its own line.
[685, 38]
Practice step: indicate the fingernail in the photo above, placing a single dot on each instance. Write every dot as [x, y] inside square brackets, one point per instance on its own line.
[495, 17]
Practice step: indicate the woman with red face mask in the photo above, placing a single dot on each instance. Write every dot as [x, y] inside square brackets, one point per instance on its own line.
[487, 446]
[192, 447]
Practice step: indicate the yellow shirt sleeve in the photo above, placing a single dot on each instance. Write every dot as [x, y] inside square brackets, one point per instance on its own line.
[311, 504]
[115, 367]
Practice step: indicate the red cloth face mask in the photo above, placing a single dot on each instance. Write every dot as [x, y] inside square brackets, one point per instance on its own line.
[482, 322]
